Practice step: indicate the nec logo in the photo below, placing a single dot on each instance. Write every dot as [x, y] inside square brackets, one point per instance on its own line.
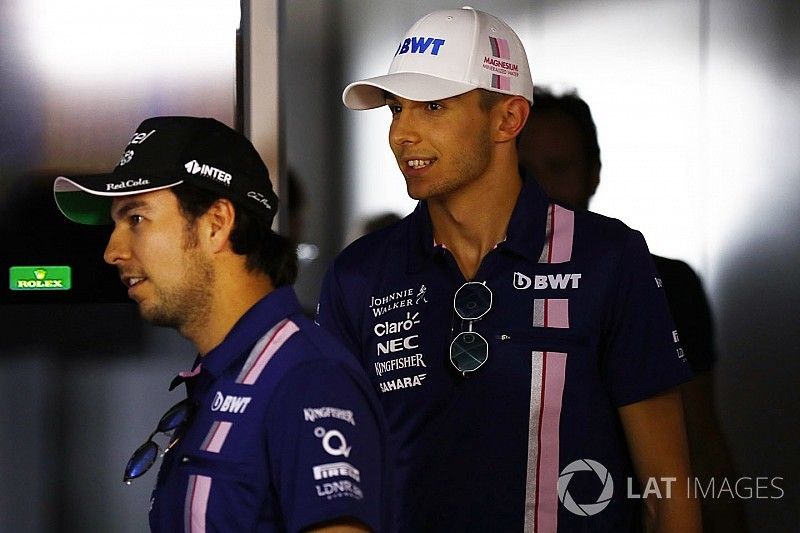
[230, 404]
[420, 45]
[398, 345]
[550, 281]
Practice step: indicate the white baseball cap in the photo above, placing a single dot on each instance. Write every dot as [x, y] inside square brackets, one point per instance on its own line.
[448, 53]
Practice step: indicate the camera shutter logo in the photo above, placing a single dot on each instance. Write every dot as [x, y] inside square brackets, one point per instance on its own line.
[585, 509]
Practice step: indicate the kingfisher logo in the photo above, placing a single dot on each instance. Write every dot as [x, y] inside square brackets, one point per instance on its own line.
[420, 45]
[193, 167]
[40, 278]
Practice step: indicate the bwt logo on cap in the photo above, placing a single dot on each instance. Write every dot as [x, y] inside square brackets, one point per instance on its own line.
[193, 167]
[420, 45]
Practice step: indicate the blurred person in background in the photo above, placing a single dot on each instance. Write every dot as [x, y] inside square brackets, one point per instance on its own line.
[559, 147]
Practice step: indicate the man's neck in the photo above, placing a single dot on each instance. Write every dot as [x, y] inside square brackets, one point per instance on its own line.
[473, 220]
[233, 297]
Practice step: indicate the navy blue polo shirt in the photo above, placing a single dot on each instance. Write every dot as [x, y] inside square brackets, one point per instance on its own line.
[532, 440]
[286, 433]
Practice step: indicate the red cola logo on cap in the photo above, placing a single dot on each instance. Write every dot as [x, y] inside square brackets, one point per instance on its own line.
[126, 184]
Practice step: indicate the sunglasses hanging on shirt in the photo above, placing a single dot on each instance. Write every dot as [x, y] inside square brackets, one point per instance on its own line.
[145, 455]
[469, 349]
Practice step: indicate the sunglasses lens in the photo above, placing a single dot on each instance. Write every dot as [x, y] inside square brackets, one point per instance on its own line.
[173, 418]
[468, 351]
[472, 301]
[141, 460]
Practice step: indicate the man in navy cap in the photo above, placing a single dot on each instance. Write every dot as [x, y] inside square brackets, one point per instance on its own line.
[280, 430]
[523, 351]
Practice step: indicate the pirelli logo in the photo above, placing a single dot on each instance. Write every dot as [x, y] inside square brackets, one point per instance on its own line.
[336, 470]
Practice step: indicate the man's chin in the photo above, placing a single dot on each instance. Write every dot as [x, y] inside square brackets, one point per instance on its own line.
[415, 191]
[157, 317]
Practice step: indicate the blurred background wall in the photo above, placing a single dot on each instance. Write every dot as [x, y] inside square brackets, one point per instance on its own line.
[697, 104]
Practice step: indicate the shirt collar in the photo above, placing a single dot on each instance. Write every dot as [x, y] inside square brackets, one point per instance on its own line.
[525, 235]
[420, 238]
[264, 314]
[527, 227]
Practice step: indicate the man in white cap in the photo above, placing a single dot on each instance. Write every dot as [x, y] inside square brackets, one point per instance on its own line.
[523, 352]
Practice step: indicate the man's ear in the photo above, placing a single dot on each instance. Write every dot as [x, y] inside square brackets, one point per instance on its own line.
[217, 224]
[512, 114]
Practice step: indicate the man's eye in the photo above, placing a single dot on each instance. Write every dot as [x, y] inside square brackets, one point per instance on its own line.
[394, 109]
[136, 219]
[434, 106]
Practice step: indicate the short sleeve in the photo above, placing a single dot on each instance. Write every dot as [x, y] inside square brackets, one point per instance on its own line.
[643, 356]
[326, 447]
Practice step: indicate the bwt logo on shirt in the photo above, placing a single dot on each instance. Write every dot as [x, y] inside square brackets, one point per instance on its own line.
[550, 281]
[230, 404]
[420, 45]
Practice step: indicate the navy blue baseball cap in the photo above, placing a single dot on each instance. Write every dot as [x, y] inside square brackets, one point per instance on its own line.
[168, 151]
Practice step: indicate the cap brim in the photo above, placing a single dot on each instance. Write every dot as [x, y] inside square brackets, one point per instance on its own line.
[87, 199]
[370, 93]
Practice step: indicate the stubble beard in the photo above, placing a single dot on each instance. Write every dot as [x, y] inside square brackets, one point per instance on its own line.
[185, 306]
[471, 163]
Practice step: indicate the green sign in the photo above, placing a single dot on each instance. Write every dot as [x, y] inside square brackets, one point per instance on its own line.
[40, 278]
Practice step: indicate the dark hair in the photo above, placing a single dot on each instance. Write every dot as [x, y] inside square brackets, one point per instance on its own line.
[267, 251]
[573, 106]
[488, 99]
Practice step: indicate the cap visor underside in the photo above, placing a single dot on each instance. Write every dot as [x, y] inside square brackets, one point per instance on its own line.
[370, 93]
[85, 208]
[82, 200]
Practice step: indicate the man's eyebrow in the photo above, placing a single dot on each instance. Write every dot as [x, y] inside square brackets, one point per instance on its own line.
[121, 210]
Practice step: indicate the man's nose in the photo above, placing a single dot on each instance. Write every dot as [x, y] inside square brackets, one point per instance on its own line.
[403, 129]
[117, 249]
